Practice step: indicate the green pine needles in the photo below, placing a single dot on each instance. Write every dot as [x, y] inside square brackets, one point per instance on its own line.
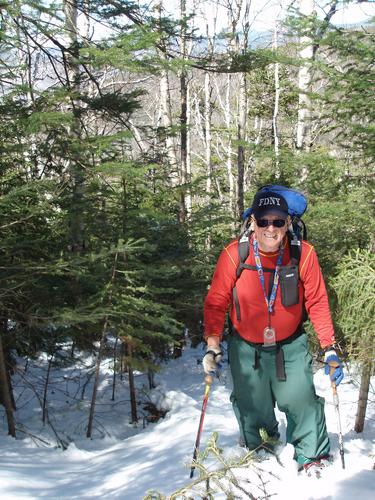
[355, 289]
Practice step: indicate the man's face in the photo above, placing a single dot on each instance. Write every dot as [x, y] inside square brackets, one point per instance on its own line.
[270, 237]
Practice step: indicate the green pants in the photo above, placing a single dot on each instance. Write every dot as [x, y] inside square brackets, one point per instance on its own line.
[255, 392]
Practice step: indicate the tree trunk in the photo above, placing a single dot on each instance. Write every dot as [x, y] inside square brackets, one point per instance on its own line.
[100, 354]
[6, 398]
[363, 398]
[238, 20]
[29, 65]
[188, 195]
[207, 133]
[241, 130]
[303, 137]
[229, 152]
[166, 109]
[45, 409]
[133, 399]
[276, 109]
[73, 77]
[183, 118]
[96, 381]
[167, 123]
[114, 369]
[207, 137]
[87, 29]
[151, 379]
[122, 361]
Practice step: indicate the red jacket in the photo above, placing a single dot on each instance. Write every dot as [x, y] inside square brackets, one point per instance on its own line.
[254, 313]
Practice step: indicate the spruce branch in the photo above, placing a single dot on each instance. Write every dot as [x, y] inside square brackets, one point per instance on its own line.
[223, 478]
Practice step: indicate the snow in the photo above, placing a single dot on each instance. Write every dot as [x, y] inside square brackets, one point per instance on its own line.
[124, 461]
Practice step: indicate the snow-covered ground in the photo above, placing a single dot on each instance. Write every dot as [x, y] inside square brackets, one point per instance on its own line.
[125, 462]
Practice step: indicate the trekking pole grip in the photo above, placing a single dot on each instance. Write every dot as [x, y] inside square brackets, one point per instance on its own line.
[208, 379]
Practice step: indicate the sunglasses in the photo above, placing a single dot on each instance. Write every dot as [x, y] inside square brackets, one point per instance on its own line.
[274, 223]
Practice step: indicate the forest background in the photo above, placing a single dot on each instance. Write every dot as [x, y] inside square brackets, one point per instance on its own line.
[131, 142]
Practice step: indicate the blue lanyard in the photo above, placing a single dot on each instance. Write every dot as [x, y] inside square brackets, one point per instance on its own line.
[269, 301]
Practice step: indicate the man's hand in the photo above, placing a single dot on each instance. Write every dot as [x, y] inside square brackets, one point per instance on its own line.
[212, 359]
[333, 366]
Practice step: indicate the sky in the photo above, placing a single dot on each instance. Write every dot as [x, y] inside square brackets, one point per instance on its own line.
[125, 461]
[263, 13]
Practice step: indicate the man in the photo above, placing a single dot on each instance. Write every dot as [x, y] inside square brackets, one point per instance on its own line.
[268, 351]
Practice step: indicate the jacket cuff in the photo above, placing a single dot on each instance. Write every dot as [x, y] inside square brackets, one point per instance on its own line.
[328, 353]
[219, 335]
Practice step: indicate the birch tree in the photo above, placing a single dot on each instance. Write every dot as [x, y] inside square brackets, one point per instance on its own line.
[303, 138]
[207, 134]
[166, 119]
[239, 27]
[309, 43]
[276, 106]
[229, 149]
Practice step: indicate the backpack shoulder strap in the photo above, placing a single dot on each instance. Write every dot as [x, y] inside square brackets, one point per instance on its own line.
[243, 251]
[295, 234]
[295, 248]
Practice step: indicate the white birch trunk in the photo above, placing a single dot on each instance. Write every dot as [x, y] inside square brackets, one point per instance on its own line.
[166, 115]
[167, 123]
[241, 130]
[229, 152]
[207, 134]
[243, 109]
[303, 136]
[86, 22]
[28, 66]
[207, 130]
[276, 108]
[188, 198]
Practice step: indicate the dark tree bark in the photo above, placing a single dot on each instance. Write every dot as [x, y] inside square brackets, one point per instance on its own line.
[133, 400]
[363, 398]
[114, 369]
[73, 82]
[151, 378]
[185, 201]
[45, 409]
[5, 392]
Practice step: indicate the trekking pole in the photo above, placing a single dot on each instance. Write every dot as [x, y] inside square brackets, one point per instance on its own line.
[208, 379]
[337, 410]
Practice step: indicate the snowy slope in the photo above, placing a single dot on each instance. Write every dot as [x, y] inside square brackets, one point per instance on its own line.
[129, 461]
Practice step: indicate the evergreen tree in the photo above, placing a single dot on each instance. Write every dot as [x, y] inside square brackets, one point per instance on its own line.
[355, 289]
[347, 67]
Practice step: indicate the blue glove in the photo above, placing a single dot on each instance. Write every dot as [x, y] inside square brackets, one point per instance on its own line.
[331, 360]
